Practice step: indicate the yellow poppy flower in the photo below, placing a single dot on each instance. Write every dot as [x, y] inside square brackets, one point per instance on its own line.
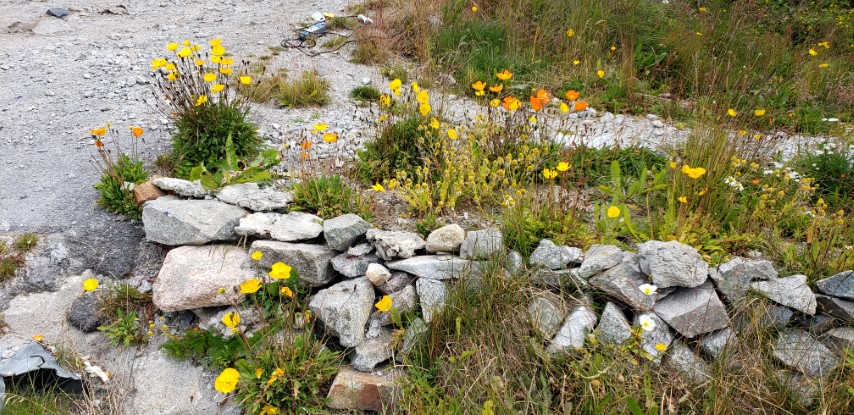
[422, 97]
[215, 42]
[563, 166]
[478, 86]
[613, 212]
[216, 59]
[823, 65]
[286, 292]
[217, 88]
[549, 174]
[731, 112]
[245, 79]
[495, 102]
[434, 123]
[199, 62]
[90, 284]
[250, 286]
[257, 255]
[258, 373]
[39, 338]
[226, 61]
[660, 347]
[600, 73]
[201, 100]
[172, 47]
[231, 319]
[497, 88]
[330, 137]
[269, 410]
[693, 172]
[225, 71]
[504, 75]
[576, 62]
[185, 53]
[320, 127]
[813, 52]
[378, 188]
[385, 100]
[415, 87]
[280, 271]
[683, 199]
[570, 33]
[424, 109]
[100, 132]
[452, 133]
[564, 107]
[217, 50]
[759, 113]
[384, 304]
[226, 382]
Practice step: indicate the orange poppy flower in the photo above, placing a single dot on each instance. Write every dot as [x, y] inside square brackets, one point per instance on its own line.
[510, 103]
[136, 131]
[497, 88]
[581, 105]
[99, 143]
[572, 95]
[478, 86]
[537, 103]
[305, 145]
[504, 75]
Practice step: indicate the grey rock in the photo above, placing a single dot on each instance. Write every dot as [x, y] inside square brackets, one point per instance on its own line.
[399, 280]
[342, 231]
[545, 316]
[438, 267]
[482, 244]
[840, 339]
[371, 352]
[312, 262]
[171, 221]
[622, 281]
[578, 324]
[819, 324]
[733, 278]
[45, 265]
[693, 311]
[353, 266]
[448, 238]
[414, 334]
[149, 259]
[672, 264]
[840, 285]
[253, 197]
[59, 12]
[291, 227]
[433, 295]
[836, 307]
[715, 344]
[613, 326]
[598, 258]
[799, 386]
[377, 274]
[791, 291]
[550, 256]
[344, 309]
[685, 362]
[182, 187]
[777, 316]
[562, 279]
[106, 250]
[513, 262]
[192, 276]
[360, 249]
[661, 334]
[85, 313]
[404, 301]
[798, 350]
[395, 244]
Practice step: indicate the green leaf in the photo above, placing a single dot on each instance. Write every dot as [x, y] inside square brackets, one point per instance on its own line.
[633, 406]
[615, 174]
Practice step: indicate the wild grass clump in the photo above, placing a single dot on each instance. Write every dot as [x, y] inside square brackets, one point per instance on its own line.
[12, 255]
[397, 148]
[310, 90]
[328, 196]
[126, 311]
[119, 173]
[195, 89]
[365, 93]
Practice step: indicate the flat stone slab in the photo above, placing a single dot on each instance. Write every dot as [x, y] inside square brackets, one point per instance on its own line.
[693, 311]
[172, 221]
[622, 281]
[561, 279]
[437, 267]
[353, 266]
[836, 307]
[290, 227]
[672, 264]
[791, 291]
[578, 324]
[733, 278]
[545, 315]
[191, 277]
[433, 295]
[598, 258]
[715, 344]
[840, 285]
[554, 257]
[342, 231]
[344, 309]
[356, 391]
[798, 350]
[253, 197]
[312, 262]
[371, 352]
[686, 363]
[395, 244]
[182, 187]
[482, 244]
[840, 339]
[613, 326]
